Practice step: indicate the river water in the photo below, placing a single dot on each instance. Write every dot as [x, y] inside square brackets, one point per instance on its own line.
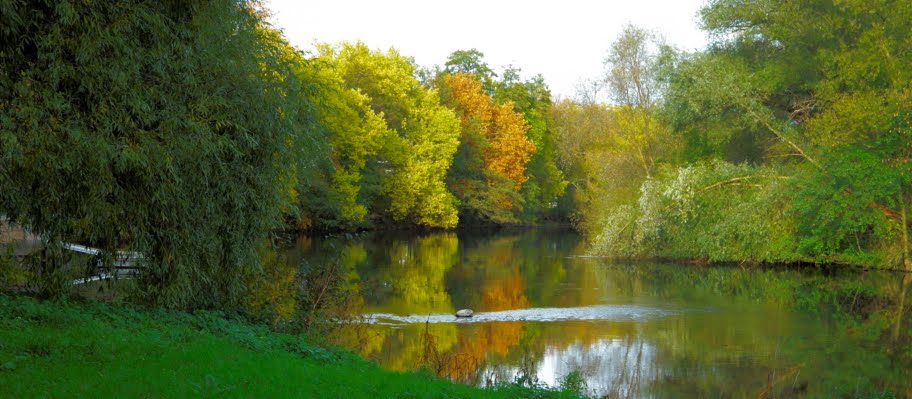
[544, 310]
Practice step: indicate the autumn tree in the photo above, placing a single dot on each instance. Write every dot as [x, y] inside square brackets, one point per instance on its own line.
[531, 99]
[494, 150]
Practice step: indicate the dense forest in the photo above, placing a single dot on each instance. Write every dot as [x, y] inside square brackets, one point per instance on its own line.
[189, 130]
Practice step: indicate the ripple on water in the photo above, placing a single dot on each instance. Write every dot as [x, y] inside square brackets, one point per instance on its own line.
[596, 312]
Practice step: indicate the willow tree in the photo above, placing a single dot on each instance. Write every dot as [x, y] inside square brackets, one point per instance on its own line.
[797, 122]
[162, 127]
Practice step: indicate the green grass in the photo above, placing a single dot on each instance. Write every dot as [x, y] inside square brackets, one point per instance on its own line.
[67, 349]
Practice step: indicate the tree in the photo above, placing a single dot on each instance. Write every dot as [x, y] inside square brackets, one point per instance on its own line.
[160, 127]
[354, 133]
[546, 181]
[630, 75]
[601, 173]
[472, 62]
[810, 94]
[490, 163]
[609, 151]
[406, 178]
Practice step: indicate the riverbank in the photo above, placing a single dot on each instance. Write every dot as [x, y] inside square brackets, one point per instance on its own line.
[90, 349]
[797, 264]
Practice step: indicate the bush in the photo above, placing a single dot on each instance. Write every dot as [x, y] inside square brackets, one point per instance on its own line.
[713, 210]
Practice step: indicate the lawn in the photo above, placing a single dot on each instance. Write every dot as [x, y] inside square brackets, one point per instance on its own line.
[90, 349]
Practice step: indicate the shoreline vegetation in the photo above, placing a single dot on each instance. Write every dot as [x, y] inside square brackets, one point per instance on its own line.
[43, 340]
[195, 130]
[188, 132]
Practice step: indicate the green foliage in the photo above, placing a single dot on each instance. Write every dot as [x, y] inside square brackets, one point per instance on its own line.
[808, 91]
[711, 100]
[330, 186]
[546, 180]
[12, 273]
[471, 62]
[418, 191]
[582, 135]
[715, 211]
[848, 224]
[607, 156]
[158, 127]
[574, 382]
[609, 150]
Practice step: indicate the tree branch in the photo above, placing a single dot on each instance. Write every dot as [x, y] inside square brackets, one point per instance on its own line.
[887, 211]
[782, 137]
[737, 180]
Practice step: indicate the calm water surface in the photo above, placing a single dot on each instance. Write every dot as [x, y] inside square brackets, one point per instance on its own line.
[640, 330]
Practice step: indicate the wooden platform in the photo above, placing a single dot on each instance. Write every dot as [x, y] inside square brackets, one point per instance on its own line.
[23, 242]
[126, 264]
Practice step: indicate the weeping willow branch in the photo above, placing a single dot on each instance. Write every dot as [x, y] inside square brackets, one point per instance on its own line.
[737, 181]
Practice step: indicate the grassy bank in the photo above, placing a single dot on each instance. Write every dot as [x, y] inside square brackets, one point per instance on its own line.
[66, 349]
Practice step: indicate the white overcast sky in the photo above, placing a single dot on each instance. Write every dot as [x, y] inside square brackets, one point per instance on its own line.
[564, 40]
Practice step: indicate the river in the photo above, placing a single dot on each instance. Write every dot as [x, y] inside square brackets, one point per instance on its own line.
[545, 311]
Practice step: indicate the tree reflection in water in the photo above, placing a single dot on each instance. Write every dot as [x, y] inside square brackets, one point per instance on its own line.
[762, 332]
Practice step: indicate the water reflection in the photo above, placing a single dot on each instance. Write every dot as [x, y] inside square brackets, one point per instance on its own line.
[631, 330]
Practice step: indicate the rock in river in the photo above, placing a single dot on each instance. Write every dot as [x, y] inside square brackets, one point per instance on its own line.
[464, 313]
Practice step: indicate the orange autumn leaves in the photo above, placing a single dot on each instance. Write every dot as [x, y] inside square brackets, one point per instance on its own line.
[508, 149]
[495, 130]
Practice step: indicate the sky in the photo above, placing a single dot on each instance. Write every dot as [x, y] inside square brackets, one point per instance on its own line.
[565, 41]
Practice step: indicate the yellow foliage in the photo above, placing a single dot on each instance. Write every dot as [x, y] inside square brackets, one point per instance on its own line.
[417, 136]
[509, 149]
